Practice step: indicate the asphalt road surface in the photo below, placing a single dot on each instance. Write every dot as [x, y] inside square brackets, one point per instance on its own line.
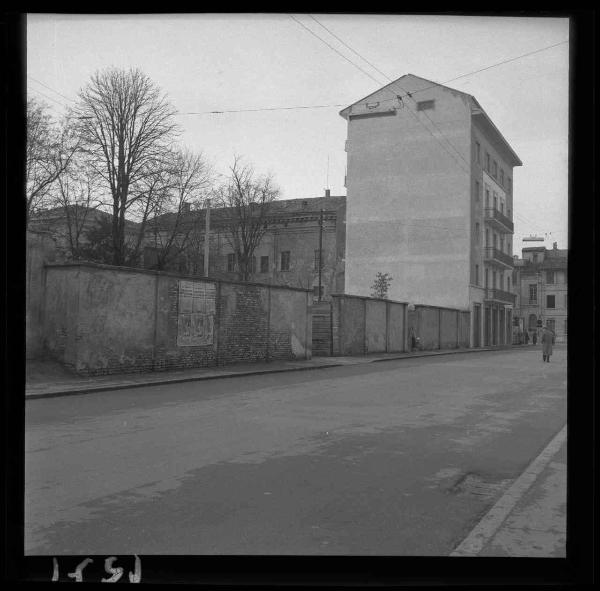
[394, 458]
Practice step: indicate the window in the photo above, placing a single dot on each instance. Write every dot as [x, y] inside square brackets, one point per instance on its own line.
[425, 105]
[495, 200]
[487, 162]
[533, 293]
[476, 190]
[509, 185]
[231, 262]
[495, 240]
[487, 278]
[550, 301]
[476, 274]
[487, 237]
[502, 177]
[477, 231]
[316, 291]
[285, 260]
[487, 196]
[477, 152]
[551, 324]
[501, 208]
[535, 257]
[264, 264]
[317, 253]
[550, 277]
[502, 243]
[495, 170]
[494, 279]
[508, 284]
[502, 281]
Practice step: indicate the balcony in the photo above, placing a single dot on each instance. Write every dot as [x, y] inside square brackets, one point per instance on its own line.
[498, 220]
[500, 296]
[497, 257]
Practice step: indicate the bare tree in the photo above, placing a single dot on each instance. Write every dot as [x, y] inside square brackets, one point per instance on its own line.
[77, 193]
[49, 153]
[126, 125]
[248, 197]
[185, 184]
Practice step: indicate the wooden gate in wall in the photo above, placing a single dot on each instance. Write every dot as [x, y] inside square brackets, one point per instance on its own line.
[321, 329]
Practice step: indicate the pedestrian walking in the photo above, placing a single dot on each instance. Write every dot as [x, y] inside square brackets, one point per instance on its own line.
[413, 339]
[534, 338]
[547, 342]
[527, 337]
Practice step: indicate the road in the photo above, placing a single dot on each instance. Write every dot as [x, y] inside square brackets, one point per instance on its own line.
[395, 458]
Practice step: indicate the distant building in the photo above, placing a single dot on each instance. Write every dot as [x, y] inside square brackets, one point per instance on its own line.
[540, 280]
[430, 201]
[73, 228]
[288, 253]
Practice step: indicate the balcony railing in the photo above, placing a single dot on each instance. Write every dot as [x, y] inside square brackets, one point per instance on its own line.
[499, 295]
[498, 220]
[496, 256]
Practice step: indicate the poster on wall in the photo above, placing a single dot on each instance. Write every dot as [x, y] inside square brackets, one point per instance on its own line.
[195, 313]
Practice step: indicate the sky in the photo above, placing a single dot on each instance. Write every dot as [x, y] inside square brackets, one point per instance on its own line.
[212, 62]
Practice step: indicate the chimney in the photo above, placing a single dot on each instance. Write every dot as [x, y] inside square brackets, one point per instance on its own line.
[555, 245]
[327, 193]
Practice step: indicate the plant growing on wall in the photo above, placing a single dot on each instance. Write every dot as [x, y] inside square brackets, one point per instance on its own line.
[381, 285]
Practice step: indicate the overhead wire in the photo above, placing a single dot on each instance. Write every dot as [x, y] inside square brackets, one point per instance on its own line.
[50, 88]
[218, 112]
[416, 117]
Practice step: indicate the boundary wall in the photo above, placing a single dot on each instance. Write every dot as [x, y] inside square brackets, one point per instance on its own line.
[362, 325]
[100, 319]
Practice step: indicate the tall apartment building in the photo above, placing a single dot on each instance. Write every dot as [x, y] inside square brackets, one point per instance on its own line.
[540, 279]
[430, 201]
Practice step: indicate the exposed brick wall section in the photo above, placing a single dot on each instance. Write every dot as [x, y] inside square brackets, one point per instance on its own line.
[127, 321]
[243, 323]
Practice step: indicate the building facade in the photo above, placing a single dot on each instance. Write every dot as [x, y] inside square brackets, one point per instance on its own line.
[288, 253]
[540, 279]
[430, 201]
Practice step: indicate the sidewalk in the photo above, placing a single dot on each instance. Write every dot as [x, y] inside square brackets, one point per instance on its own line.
[48, 378]
[537, 526]
[530, 519]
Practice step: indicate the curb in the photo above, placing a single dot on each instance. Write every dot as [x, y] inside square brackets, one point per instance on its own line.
[161, 382]
[492, 521]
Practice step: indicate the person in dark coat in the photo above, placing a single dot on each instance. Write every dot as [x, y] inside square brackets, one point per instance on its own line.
[527, 337]
[534, 337]
[547, 342]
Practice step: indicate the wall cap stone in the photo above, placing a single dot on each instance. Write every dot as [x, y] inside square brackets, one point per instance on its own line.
[103, 266]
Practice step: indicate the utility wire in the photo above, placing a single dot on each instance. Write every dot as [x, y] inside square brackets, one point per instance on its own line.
[380, 84]
[50, 88]
[334, 49]
[390, 79]
[218, 112]
[512, 59]
[262, 109]
[49, 98]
